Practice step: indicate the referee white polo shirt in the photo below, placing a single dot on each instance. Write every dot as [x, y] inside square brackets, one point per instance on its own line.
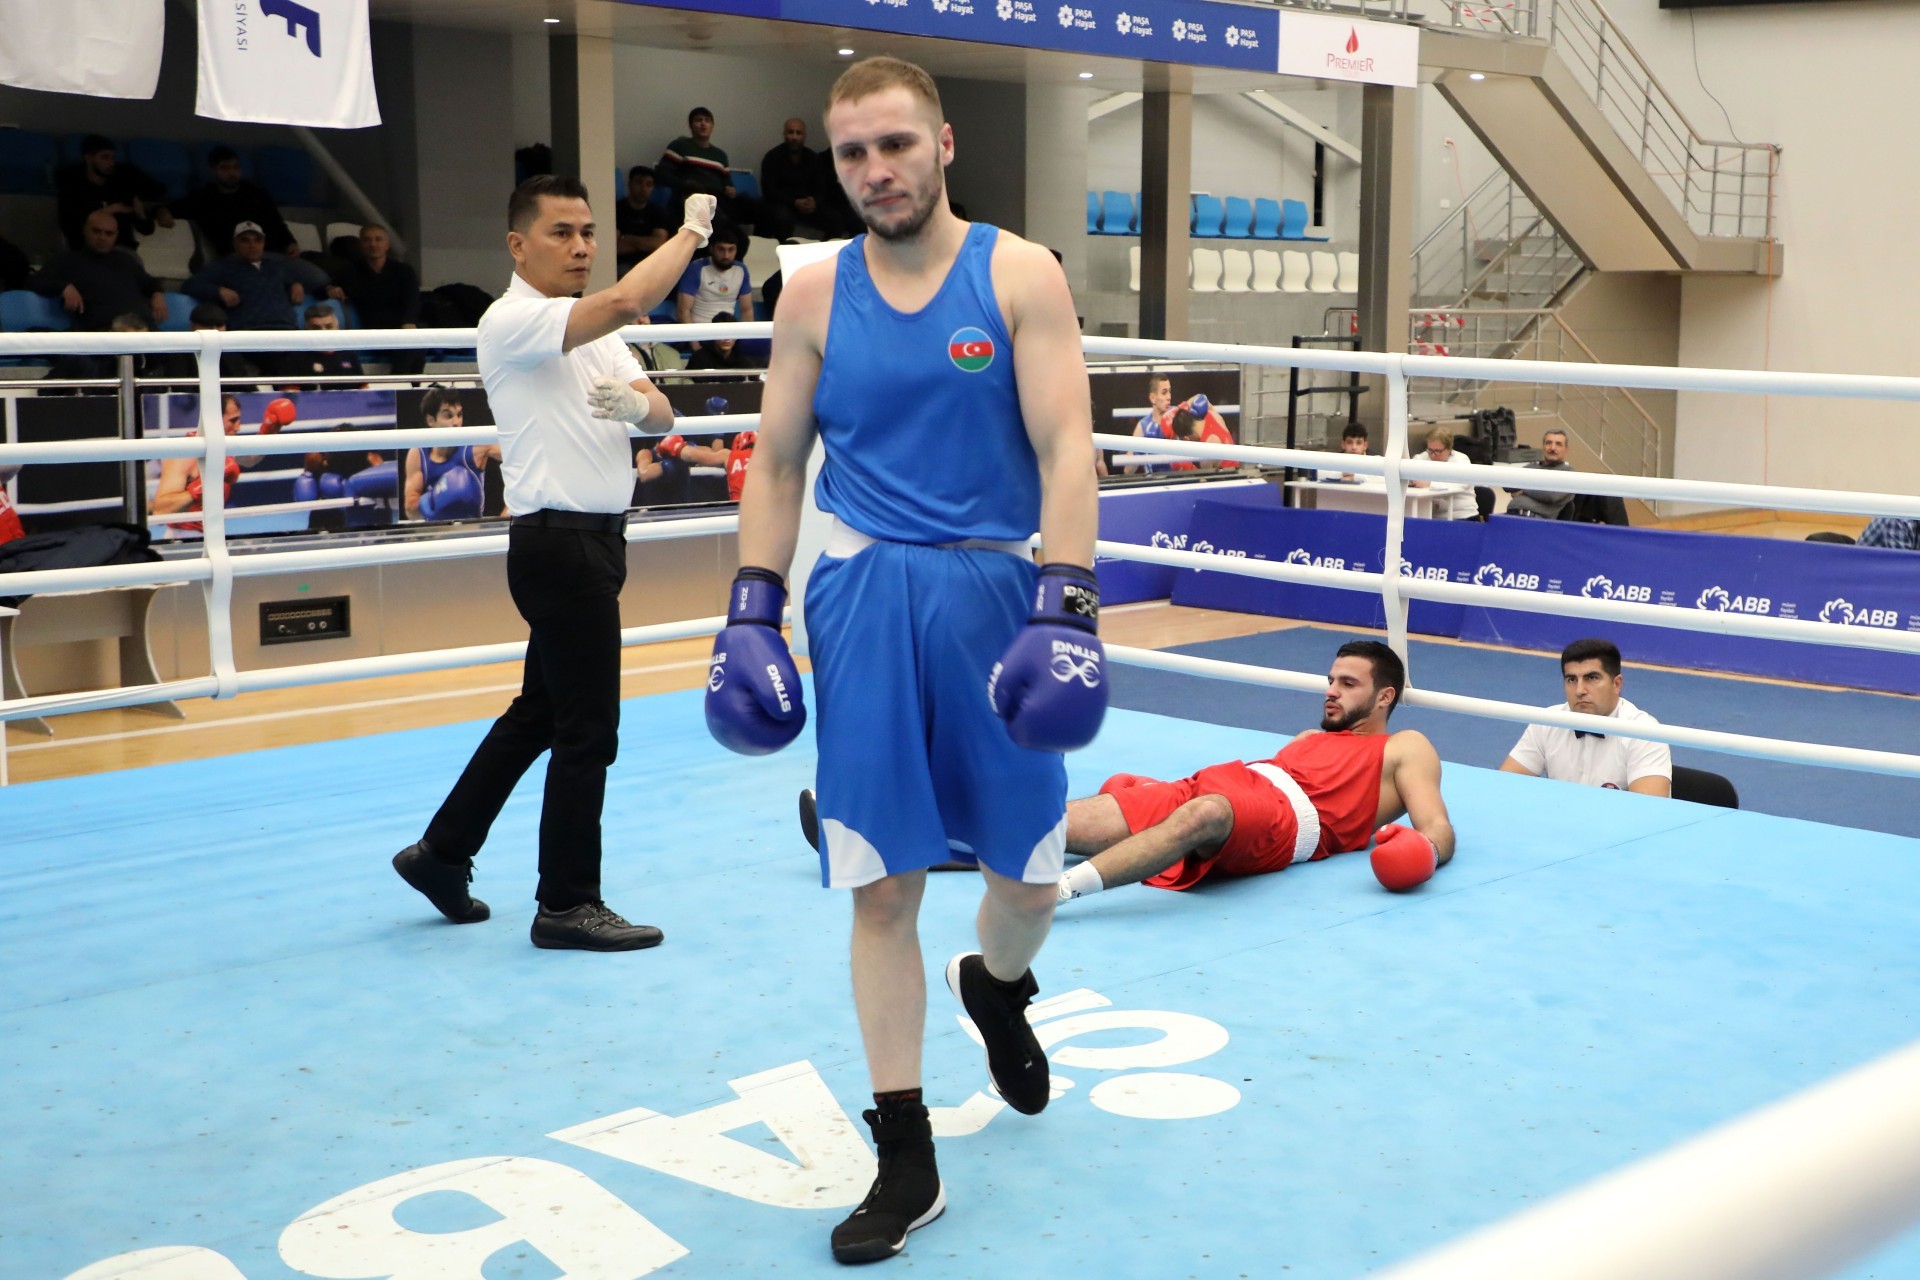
[554, 454]
[1594, 759]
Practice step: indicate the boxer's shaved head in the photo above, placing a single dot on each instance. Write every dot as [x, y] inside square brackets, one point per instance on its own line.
[874, 75]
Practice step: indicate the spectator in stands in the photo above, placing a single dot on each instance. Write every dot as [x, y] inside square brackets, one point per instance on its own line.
[693, 164]
[69, 367]
[641, 225]
[100, 281]
[1891, 533]
[230, 200]
[258, 289]
[715, 284]
[1544, 504]
[790, 180]
[14, 267]
[181, 364]
[1354, 439]
[384, 293]
[321, 319]
[99, 181]
[1590, 671]
[1459, 506]
[724, 353]
[838, 219]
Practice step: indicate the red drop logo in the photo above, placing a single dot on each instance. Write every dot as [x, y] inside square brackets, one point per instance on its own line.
[1353, 40]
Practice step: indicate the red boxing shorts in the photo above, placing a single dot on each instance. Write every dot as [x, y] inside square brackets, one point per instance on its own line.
[1265, 831]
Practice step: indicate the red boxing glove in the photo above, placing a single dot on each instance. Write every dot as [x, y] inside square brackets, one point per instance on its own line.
[278, 414]
[671, 446]
[195, 488]
[1403, 858]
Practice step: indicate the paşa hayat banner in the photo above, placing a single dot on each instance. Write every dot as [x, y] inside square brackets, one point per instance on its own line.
[307, 62]
[108, 48]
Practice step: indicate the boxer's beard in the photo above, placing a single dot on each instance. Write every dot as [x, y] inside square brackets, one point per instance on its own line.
[1344, 720]
[915, 221]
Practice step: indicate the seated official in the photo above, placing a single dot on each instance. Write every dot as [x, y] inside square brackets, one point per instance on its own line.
[1354, 439]
[1544, 504]
[1590, 669]
[1459, 506]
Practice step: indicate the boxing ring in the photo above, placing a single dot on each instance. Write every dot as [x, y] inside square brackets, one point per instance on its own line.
[234, 1047]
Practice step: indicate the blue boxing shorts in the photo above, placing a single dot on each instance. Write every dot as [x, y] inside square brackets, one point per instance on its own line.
[915, 767]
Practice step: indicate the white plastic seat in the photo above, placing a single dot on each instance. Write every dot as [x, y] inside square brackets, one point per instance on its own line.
[168, 251]
[337, 229]
[1293, 274]
[1349, 278]
[763, 258]
[1266, 271]
[1238, 270]
[1326, 269]
[1207, 267]
[304, 234]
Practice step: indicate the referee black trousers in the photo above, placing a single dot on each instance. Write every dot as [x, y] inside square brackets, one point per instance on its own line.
[566, 584]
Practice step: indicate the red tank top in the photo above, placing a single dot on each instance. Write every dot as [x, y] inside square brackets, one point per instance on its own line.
[1340, 772]
[9, 519]
[737, 460]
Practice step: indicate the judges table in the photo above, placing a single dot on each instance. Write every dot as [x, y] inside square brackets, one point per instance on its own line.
[1368, 494]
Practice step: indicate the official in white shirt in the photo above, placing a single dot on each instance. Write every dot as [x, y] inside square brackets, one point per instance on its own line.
[1594, 757]
[562, 387]
[1457, 506]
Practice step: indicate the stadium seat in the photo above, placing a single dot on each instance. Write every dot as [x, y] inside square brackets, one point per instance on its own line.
[291, 177]
[1208, 214]
[1239, 223]
[745, 185]
[1294, 270]
[1266, 219]
[1326, 272]
[662, 196]
[1293, 221]
[1348, 280]
[1238, 271]
[1702, 786]
[26, 163]
[306, 235]
[761, 260]
[337, 229]
[1133, 267]
[1116, 214]
[179, 310]
[168, 252]
[1207, 266]
[165, 161]
[1093, 213]
[1266, 271]
[23, 311]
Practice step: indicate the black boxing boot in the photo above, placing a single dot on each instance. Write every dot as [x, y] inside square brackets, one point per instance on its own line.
[907, 1193]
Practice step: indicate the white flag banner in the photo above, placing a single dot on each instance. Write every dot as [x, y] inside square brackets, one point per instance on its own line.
[287, 62]
[108, 48]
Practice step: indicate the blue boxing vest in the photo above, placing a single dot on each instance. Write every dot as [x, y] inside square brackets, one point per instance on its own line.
[431, 471]
[919, 413]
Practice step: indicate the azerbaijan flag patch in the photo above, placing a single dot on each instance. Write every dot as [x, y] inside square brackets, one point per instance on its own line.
[971, 350]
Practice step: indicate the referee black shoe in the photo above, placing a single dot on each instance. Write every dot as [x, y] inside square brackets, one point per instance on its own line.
[591, 926]
[443, 883]
[906, 1194]
[1015, 1061]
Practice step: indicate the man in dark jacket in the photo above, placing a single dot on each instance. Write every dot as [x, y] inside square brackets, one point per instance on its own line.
[383, 291]
[258, 289]
[1544, 504]
[790, 178]
[100, 181]
[230, 200]
[99, 281]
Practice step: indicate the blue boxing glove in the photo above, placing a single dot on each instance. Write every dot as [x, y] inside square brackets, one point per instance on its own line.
[754, 705]
[1050, 686]
[1200, 407]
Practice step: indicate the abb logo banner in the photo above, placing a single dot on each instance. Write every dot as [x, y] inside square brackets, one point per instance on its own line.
[1328, 47]
[306, 62]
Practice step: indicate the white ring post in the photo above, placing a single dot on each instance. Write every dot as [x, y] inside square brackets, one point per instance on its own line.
[218, 590]
[1396, 452]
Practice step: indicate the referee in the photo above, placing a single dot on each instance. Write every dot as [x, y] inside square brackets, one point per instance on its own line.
[562, 386]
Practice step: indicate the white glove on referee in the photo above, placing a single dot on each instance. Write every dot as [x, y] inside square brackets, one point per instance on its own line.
[699, 217]
[614, 399]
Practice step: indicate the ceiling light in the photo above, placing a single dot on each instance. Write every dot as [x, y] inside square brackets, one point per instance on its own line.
[1086, 75]
[552, 22]
[1477, 75]
[846, 53]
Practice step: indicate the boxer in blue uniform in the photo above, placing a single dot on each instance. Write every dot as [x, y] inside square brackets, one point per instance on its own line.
[939, 363]
[447, 484]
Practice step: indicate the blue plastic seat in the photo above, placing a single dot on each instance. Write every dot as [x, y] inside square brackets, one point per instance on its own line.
[745, 185]
[662, 196]
[1266, 219]
[26, 163]
[24, 311]
[165, 161]
[290, 176]
[1116, 214]
[1208, 214]
[1239, 224]
[1093, 213]
[179, 309]
[1293, 221]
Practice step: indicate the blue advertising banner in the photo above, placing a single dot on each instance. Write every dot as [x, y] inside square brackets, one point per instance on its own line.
[1812, 581]
[1442, 549]
[1158, 517]
[1194, 32]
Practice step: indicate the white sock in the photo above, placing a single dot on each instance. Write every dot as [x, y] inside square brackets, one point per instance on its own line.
[1080, 881]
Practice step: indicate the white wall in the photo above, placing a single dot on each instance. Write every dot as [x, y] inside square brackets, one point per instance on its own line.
[751, 98]
[463, 138]
[1831, 83]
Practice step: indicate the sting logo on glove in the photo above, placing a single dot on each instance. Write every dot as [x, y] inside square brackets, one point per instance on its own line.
[1075, 662]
